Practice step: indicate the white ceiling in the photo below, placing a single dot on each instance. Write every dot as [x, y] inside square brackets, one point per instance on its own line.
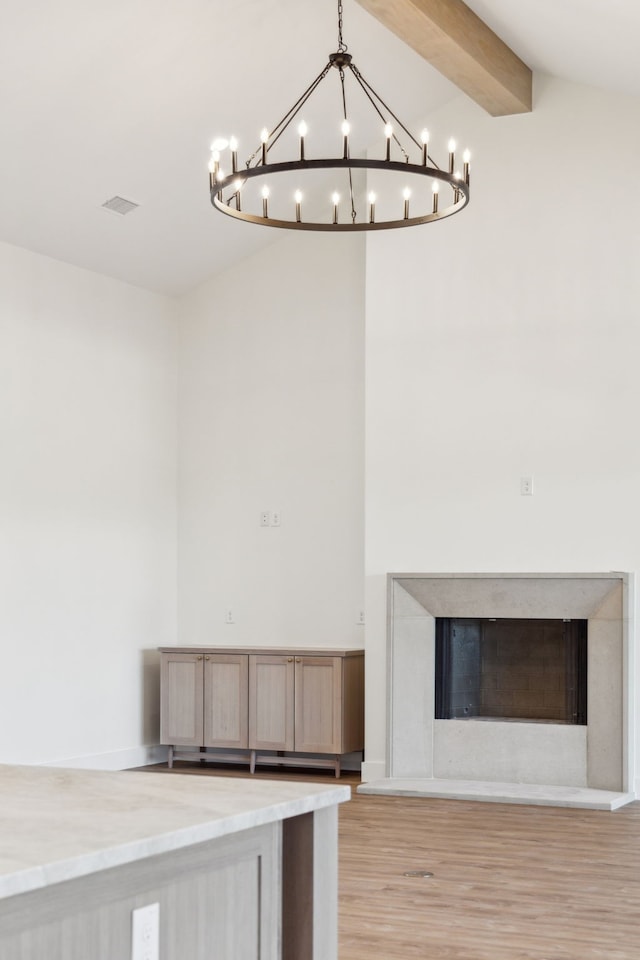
[125, 97]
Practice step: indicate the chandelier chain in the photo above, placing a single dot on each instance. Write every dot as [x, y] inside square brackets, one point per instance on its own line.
[344, 114]
[342, 47]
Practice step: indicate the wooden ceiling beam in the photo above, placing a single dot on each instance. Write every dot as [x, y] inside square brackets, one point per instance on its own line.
[461, 47]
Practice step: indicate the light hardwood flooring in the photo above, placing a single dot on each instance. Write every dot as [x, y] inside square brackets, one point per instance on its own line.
[509, 882]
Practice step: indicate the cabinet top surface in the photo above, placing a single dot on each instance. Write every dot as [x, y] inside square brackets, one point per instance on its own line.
[271, 651]
[61, 824]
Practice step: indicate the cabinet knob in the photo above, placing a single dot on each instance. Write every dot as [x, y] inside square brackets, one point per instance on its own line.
[289, 659]
[297, 659]
[199, 657]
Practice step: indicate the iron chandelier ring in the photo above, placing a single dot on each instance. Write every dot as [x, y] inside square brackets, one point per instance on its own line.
[458, 185]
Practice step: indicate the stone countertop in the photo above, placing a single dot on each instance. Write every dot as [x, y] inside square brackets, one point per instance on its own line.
[58, 824]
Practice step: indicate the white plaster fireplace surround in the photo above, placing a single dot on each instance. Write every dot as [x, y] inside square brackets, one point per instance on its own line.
[524, 762]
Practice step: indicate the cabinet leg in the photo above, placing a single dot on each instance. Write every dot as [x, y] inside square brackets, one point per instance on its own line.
[170, 757]
[252, 762]
[337, 767]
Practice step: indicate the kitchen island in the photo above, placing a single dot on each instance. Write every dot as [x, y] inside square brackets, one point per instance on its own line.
[241, 869]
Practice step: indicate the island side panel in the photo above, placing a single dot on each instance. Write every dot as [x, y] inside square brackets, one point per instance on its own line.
[310, 886]
[223, 895]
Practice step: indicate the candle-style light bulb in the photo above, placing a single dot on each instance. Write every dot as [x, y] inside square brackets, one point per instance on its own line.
[220, 143]
[265, 201]
[346, 129]
[264, 139]
[372, 207]
[298, 198]
[452, 153]
[466, 159]
[335, 197]
[424, 136]
[233, 146]
[388, 132]
[436, 190]
[406, 193]
[302, 132]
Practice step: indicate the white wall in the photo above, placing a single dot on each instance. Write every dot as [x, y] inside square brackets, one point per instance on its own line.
[503, 343]
[271, 401]
[87, 511]
[499, 344]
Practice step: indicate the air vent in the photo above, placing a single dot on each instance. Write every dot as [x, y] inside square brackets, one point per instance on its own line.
[120, 205]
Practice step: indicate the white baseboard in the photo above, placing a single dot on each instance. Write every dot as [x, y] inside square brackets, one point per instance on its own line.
[373, 770]
[118, 760]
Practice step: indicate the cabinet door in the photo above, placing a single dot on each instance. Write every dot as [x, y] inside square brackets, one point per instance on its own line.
[271, 680]
[181, 699]
[318, 704]
[226, 711]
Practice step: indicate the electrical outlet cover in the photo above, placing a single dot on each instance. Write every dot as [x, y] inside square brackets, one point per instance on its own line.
[145, 932]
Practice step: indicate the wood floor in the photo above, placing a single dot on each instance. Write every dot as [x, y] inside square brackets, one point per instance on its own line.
[509, 882]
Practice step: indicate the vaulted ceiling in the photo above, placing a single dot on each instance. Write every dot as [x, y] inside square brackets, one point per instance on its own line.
[125, 97]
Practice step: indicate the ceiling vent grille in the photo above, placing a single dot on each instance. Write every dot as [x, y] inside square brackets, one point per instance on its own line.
[120, 205]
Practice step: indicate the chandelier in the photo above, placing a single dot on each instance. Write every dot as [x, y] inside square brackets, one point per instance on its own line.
[421, 191]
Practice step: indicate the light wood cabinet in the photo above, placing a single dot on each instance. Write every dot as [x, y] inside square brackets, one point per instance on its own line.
[204, 700]
[305, 703]
[269, 703]
[319, 703]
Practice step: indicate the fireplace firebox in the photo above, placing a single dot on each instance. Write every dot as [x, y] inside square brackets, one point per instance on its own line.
[527, 670]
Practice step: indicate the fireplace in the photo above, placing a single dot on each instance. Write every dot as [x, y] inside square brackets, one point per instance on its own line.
[577, 742]
[528, 670]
